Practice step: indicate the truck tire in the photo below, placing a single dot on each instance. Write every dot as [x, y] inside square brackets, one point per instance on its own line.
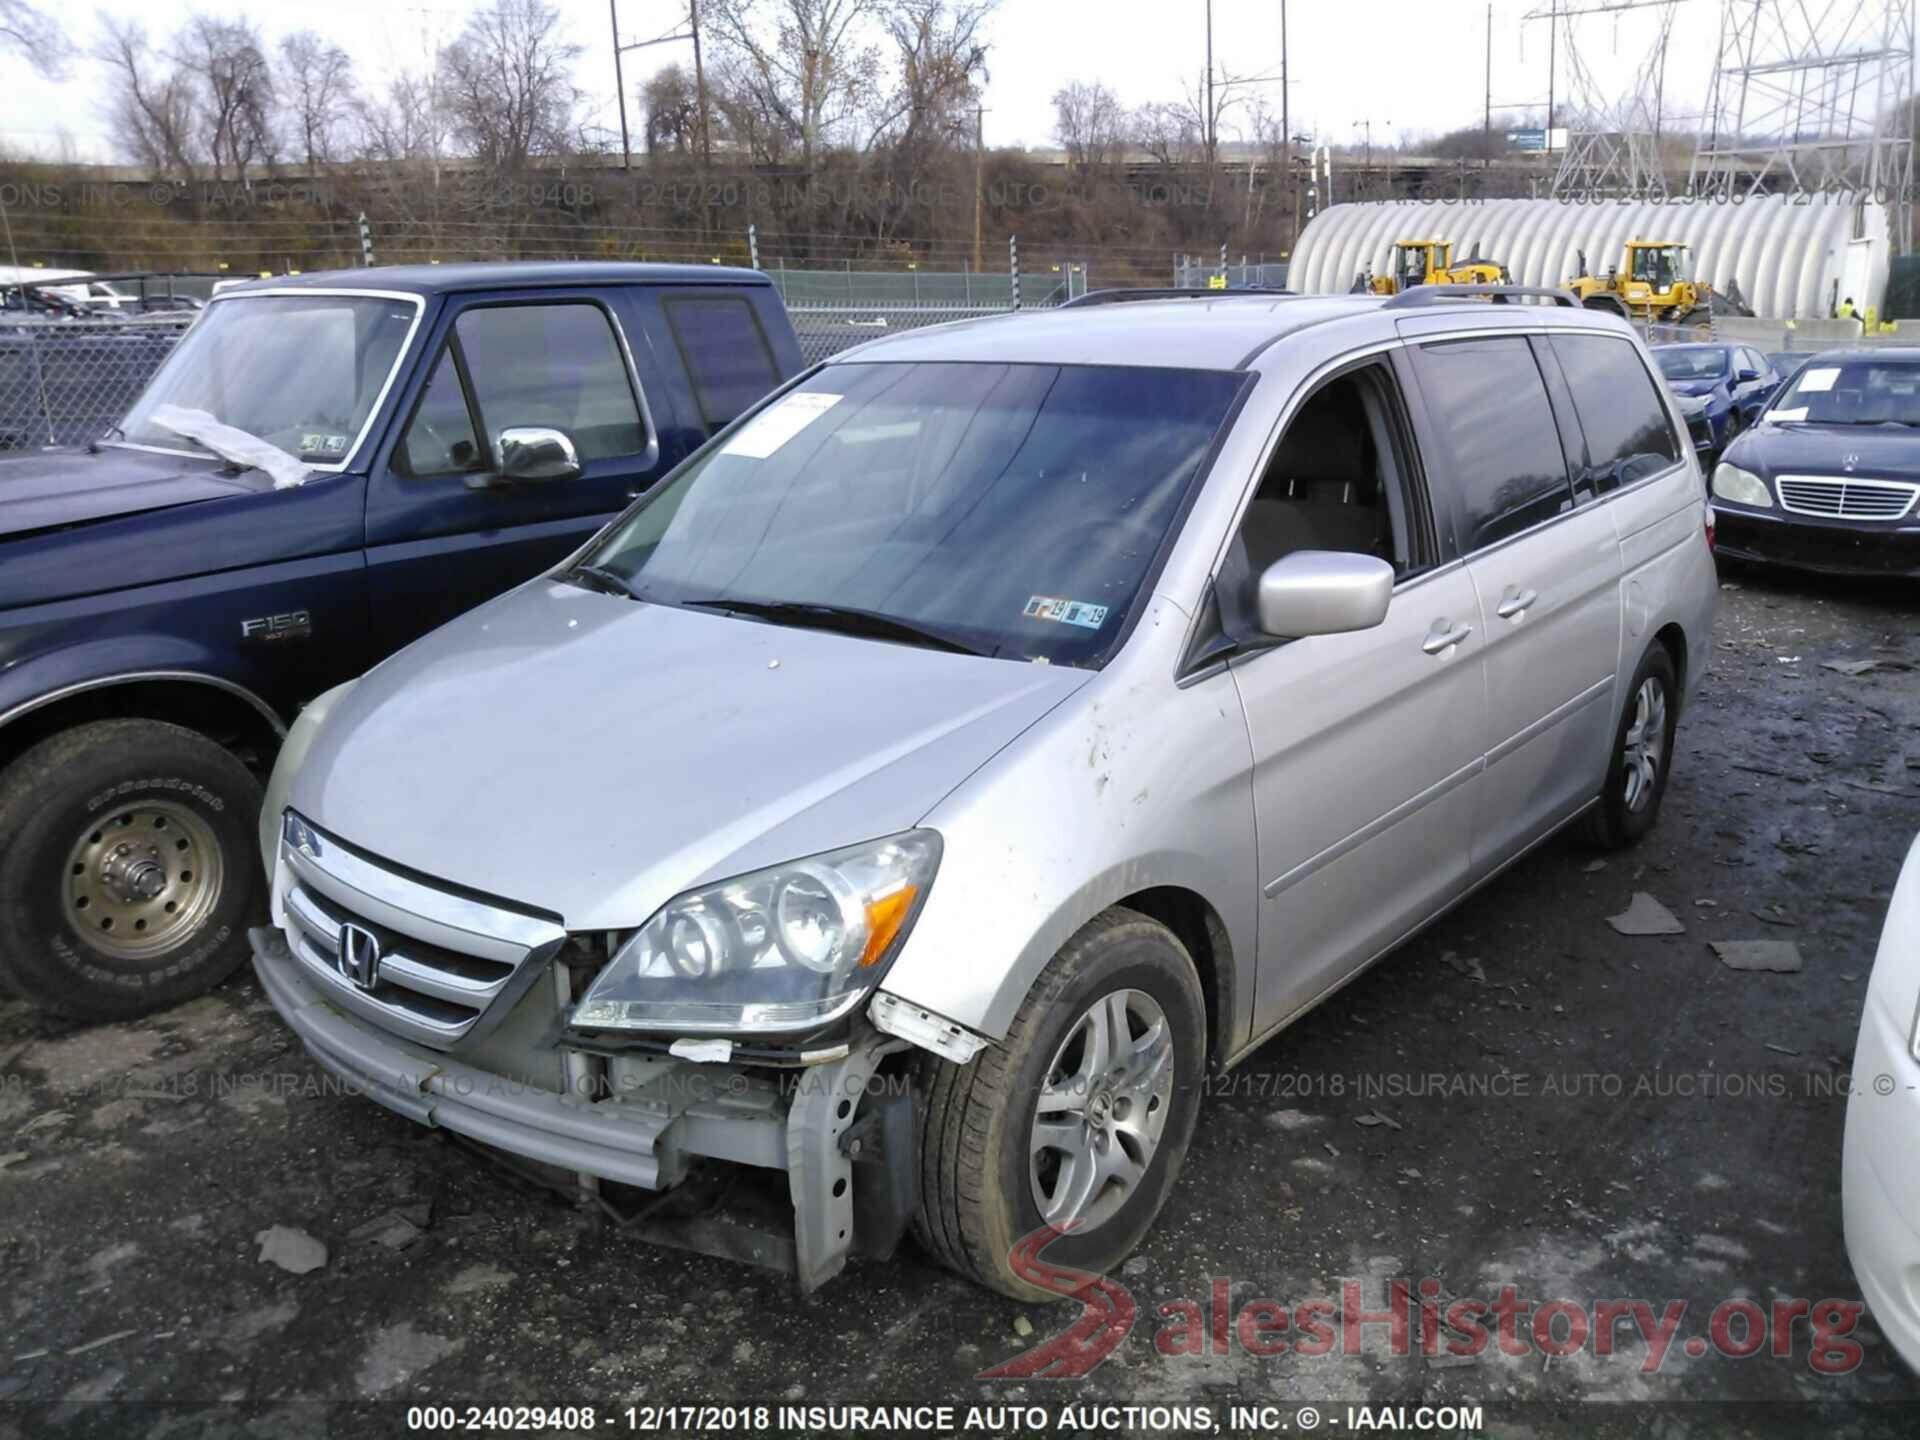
[130, 874]
[1611, 304]
[1642, 755]
[1121, 1110]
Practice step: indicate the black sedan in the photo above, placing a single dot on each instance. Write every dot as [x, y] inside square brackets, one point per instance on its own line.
[1829, 477]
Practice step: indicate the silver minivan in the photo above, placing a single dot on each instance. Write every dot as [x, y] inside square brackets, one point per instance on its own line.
[892, 819]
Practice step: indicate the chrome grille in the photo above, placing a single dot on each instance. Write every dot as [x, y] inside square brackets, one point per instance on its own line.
[449, 967]
[1846, 498]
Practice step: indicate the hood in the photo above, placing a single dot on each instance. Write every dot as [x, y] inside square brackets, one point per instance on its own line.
[593, 756]
[56, 488]
[1694, 387]
[1877, 452]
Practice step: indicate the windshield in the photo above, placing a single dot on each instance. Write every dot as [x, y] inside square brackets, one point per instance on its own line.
[1859, 392]
[1660, 265]
[1015, 508]
[301, 372]
[1691, 362]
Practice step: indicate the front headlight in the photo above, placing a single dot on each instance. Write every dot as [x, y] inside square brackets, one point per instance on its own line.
[786, 949]
[1743, 487]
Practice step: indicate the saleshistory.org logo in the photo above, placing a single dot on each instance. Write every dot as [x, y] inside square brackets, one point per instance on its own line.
[1420, 1319]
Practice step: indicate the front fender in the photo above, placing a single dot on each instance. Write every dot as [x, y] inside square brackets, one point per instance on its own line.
[1125, 788]
[56, 674]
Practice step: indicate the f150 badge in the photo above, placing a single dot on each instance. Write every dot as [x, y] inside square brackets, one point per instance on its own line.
[289, 625]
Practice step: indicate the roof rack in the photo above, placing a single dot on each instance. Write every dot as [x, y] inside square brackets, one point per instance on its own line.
[1498, 294]
[1168, 292]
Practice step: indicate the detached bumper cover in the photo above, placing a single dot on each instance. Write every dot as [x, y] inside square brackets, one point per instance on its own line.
[661, 1115]
[1836, 547]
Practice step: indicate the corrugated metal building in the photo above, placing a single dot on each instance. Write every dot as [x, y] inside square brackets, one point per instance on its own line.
[1791, 256]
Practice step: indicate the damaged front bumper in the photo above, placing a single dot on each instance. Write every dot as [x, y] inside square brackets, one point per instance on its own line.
[844, 1134]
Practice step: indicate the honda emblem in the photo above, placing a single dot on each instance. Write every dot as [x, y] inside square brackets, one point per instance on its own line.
[360, 956]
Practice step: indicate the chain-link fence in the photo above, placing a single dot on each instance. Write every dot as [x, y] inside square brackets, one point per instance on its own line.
[828, 329]
[1192, 273]
[64, 382]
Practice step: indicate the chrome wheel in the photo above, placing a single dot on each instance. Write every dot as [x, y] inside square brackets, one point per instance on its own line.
[141, 880]
[1101, 1112]
[1645, 747]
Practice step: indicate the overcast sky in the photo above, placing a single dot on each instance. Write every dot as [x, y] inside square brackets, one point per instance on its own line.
[1405, 65]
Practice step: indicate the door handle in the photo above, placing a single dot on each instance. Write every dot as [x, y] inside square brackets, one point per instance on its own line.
[1516, 602]
[1444, 636]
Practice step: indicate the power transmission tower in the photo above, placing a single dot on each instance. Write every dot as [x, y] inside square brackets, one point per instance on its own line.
[1815, 105]
[1613, 142]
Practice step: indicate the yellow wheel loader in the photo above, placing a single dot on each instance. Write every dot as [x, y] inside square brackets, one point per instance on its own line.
[1654, 282]
[1430, 262]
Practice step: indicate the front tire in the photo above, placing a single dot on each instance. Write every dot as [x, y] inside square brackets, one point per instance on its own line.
[130, 873]
[1642, 756]
[1080, 1120]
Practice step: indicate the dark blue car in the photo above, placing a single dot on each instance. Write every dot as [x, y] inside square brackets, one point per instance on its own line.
[325, 468]
[1829, 479]
[1722, 388]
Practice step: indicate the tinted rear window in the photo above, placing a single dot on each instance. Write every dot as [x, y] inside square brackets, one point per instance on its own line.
[1625, 421]
[1501, 458]
[726, 354]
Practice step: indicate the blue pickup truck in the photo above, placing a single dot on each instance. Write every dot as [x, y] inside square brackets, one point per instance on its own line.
[325, 468]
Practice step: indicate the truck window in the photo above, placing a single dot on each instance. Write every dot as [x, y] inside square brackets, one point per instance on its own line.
[440, 438]
[557, 365]
[726, 354]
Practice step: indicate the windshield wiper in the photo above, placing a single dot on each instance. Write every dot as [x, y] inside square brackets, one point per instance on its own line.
[603, 580]
[844, 619]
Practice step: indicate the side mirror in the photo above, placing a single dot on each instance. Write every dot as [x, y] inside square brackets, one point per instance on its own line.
[1746, 375]
[1323, 592]
[535, 452]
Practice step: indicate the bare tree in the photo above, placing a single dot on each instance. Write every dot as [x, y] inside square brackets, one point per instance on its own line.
[941, 50]
[1168, 132]
[316, 83]
[1089, 123]
[150, 104]
[29, 31]
[506, 83]
[233, 91]
[672, 105]
[407, 123]
[794, 72]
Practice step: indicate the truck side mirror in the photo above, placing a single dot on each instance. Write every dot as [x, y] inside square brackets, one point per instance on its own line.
[536, 452]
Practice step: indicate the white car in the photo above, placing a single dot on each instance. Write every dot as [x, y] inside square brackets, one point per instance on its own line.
[1880, 1171]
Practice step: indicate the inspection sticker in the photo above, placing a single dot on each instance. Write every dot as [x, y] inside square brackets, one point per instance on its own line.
[1070, 612]
[779, 423]
[322, 447]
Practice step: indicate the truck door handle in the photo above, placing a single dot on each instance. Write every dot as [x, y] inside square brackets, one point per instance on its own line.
[1444, 636]
[1516, 602]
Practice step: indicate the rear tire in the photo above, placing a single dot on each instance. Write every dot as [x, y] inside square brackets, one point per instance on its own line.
[989, 1158]
[130, 872]
[1642, 756]
[1611, 304]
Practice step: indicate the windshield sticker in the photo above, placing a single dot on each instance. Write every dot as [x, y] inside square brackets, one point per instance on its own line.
[1787, 417]
[322, 447]
[1068, 612]
[774, 426]
[1814, 382]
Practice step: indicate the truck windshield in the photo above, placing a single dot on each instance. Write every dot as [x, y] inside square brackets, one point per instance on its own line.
[302, 372]
[1014, 509]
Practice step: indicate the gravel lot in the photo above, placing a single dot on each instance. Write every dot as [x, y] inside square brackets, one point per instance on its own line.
[1642, 1123]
